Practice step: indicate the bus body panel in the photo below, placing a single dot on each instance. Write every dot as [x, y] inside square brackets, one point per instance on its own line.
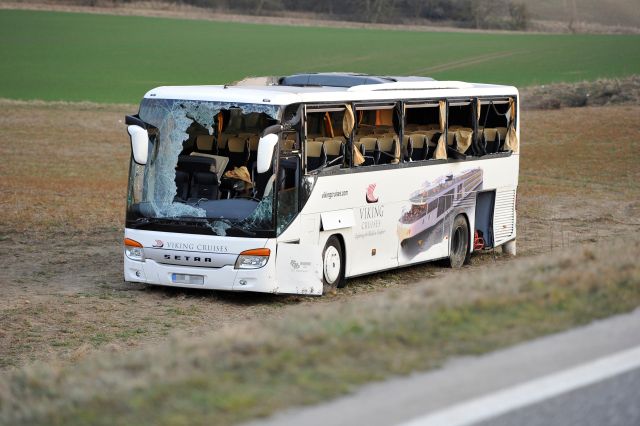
[377, 199]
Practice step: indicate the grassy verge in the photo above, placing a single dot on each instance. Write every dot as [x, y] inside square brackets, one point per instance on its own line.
[315, 354]
[105, 58]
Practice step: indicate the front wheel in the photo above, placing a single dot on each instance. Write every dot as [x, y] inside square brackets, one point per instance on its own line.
[333, 265]
[459, 242]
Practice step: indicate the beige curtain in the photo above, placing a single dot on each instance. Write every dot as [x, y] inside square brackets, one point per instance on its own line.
[511, 142]
[347, 128]
[396, 151]
[441, 147]
[348, 121]
[464, 138]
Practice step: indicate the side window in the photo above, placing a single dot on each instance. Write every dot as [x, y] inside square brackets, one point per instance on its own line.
[422, 131]
[494, 120]
[377, 140]
[326, 142]
[461, 124]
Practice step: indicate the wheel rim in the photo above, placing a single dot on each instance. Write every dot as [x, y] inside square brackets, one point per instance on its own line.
[331, 264]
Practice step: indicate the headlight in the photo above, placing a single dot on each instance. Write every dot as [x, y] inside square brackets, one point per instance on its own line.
[133, 250]
[253, 259]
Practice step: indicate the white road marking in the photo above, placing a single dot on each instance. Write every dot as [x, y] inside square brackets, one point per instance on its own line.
[530, 393]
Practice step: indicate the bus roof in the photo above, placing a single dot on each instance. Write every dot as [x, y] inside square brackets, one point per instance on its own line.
[345, 87]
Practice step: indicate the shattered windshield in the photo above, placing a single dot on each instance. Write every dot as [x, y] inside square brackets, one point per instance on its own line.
[200, 170]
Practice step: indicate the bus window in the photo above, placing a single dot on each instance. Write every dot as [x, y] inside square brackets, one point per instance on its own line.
[326, 142]
[493, 124]
[377, 139]
[460, 128]
[421, 131]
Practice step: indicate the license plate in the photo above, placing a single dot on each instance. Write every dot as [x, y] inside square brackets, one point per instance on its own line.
[187, 279]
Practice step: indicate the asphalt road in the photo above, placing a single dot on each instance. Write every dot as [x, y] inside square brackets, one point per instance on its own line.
[586, 376]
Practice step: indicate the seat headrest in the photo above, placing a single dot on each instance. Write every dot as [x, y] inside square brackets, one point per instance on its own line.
[490, 134]
[314, 149]
[333, 147]
[385, 144]
[288, 144]
[369, 143]
[418, 140]
[204, 142]
[223, 138]
[236, 144]
[253, 142]
[450, 137]
[502, 131]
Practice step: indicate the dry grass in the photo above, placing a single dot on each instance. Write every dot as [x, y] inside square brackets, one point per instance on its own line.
[587, 93]
[64, 166]
[314, 354]
[63, 174]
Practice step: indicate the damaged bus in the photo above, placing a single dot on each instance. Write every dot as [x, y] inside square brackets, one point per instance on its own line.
[297, 184]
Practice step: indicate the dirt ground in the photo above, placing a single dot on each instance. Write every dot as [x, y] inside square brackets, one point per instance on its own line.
[63, 171]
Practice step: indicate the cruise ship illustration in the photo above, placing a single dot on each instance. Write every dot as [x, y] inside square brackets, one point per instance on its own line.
[435, 200]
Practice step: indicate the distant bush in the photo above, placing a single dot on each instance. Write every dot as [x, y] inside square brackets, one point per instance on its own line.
[501, 14]
[593, 93]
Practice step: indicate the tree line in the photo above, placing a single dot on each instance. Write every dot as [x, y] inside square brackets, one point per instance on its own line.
[481, 14]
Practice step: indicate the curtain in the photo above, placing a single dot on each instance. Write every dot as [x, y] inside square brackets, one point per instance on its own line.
[441, 148]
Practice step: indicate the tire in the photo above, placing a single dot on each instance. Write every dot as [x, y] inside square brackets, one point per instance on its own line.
[333, 265]
[459, 242]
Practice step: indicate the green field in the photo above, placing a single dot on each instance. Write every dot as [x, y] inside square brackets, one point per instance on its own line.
[65, 56]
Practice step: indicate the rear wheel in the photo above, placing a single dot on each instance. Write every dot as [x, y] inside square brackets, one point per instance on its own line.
[459, 242]
[333, 265]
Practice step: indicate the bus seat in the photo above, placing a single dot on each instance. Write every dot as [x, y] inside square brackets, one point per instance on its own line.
[407, 147]
[368, 148]
[452, 146]
[204, 185]
[222, 142]
[182, 185]
[420, 147]
[288, 144]
[253, 140]
[238, 151]
[334, 148]
[204, 143]
[502, 132]
[316, 156]
[491, 140]
[386, 149]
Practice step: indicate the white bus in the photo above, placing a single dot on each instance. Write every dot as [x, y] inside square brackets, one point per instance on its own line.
[296, 185]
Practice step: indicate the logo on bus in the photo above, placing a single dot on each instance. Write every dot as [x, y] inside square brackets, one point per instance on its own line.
[371, 197]
[158, 244]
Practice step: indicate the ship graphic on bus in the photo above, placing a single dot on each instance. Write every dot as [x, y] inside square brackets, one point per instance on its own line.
[434, 202]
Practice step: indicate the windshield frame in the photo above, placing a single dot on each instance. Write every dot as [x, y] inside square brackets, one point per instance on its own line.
[150, 114]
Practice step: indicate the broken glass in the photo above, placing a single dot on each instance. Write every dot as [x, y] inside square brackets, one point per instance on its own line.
[172, 119]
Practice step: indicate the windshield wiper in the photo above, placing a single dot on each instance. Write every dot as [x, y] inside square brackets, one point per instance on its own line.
[234, 227]
[330, 163]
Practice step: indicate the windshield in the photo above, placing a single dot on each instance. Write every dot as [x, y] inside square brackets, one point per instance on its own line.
[200, 174]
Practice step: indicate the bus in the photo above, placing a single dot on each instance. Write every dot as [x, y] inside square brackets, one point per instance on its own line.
[294, 184]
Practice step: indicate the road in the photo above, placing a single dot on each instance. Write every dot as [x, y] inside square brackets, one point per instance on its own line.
[585, 376]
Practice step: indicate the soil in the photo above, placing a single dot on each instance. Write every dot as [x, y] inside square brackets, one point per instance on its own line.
[62, 294]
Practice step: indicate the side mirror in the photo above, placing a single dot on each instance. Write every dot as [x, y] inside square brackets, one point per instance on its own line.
[265, 152]
[139, 143]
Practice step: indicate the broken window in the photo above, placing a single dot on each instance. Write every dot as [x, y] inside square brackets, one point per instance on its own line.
[495, 120]
[377, 139]
[460, 128]
[188, 180]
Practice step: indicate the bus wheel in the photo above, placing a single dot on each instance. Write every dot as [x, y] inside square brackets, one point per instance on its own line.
[459, 242]
[333, 264]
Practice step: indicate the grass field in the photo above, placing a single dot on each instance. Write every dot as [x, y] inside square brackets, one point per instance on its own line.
[67, 56]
